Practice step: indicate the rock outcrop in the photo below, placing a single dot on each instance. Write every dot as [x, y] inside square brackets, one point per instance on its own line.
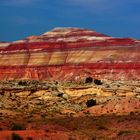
[70, 54]
[35, 110]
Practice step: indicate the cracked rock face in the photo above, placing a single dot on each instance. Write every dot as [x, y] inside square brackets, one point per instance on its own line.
[66, 54]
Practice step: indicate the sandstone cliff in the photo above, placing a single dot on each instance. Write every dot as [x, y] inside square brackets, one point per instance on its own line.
[70, 54]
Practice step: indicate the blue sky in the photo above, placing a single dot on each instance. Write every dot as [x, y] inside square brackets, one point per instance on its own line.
[21, 18]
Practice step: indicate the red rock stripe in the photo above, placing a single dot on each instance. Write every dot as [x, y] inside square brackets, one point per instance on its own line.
[82, 65]
[67, 47]
[63, 45]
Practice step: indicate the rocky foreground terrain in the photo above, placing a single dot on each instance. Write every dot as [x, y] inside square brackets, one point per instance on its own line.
[90, 110]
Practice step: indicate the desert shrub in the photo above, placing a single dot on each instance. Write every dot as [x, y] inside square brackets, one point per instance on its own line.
[97, 82]
[46, 130]
[89, 80]
[16, 127]
[93, 138]
[54, 88]
[29, 138]
[22, 83]
[132, 113]
[121, 119]
[60, 95]
[101, 127]
[138, 131]
[91, 102]
[16, 137]
[43, 115]
[33, 90]
[124, 132]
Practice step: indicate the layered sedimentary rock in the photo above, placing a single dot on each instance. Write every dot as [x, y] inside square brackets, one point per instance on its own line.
[70, 54]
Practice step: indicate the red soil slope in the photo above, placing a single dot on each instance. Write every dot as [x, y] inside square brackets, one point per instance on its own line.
[70, 54]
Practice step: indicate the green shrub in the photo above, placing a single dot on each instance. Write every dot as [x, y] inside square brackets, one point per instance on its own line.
[16, 137]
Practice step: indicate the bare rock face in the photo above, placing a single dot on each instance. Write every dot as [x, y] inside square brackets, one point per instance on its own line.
[118, 106]
[70, 54]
